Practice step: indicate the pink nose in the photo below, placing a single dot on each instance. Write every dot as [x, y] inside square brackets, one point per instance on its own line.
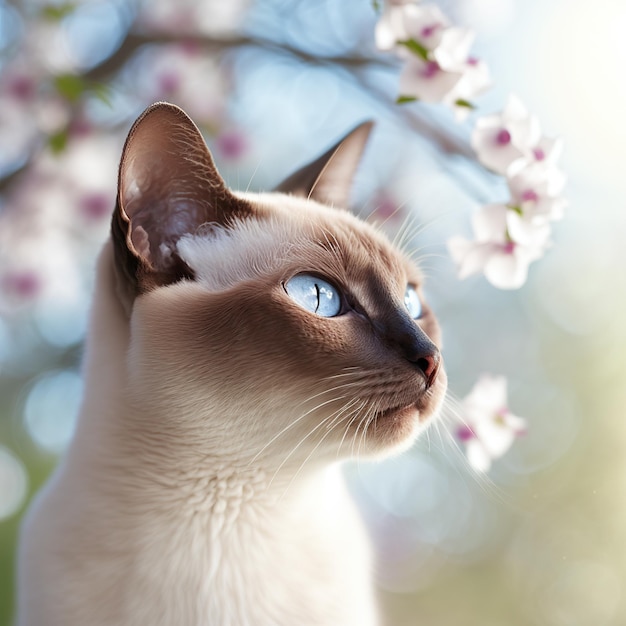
[429, 364]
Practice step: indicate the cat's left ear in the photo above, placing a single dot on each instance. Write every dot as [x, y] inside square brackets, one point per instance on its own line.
[328, 179]
[168, 187]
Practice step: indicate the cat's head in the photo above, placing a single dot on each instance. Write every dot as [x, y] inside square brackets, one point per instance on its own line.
[275, 326]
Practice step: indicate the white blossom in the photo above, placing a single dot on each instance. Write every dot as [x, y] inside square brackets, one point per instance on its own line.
[426, 80]
[488, 427]
[475, 80]
[425, 24]
[438, 65]
[453, 49]
[501, 140]
[504, 246]
[536, 189]
[390, 28]
[401, 21]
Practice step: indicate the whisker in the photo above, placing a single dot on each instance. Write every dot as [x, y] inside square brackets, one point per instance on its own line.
[329, 428]
[347, 430]
[291, 424]
[253, 175]
[484, 482]
[303, 439]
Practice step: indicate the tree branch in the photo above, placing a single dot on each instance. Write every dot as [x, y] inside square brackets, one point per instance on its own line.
[446, 142]
[133, 41]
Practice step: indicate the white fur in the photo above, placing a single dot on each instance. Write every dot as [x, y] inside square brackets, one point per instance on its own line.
[222, 257]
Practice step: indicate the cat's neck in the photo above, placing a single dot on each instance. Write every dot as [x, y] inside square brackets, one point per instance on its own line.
[112, 434]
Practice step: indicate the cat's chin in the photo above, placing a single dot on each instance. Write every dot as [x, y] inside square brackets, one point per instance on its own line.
[395, 429]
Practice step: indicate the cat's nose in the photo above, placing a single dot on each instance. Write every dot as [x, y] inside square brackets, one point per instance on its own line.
[414, 345]
[428, 362]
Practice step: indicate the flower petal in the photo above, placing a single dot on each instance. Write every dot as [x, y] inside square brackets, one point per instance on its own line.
[506, 271]
[426, 80]
[390, 28]
[478, 456]
[528, 231]
[502, 139]
[454, 49]
[469, 256]
[426, 24]
[493, 144]
[495, 436]
[490, 222]
[475, 80]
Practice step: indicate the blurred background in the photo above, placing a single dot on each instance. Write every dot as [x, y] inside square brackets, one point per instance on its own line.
[541, 540]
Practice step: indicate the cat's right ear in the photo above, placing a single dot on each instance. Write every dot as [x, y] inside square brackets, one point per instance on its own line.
[168, 187]
[328, 179]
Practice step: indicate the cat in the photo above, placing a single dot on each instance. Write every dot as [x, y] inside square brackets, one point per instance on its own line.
[241, 345]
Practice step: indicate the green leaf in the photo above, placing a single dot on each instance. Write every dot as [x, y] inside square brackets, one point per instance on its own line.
[416, 48]
[70, 86]
[55, 13]
[464, 103]
[405, 99]
[515, 208]
[58, 141]
[376, 5]
[73, 88]
[102, 92]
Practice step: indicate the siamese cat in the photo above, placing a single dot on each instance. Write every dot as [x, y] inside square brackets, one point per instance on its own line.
[241, 346]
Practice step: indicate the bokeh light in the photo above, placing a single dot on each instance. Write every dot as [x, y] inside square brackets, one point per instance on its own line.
[13, 483]
[51, 409]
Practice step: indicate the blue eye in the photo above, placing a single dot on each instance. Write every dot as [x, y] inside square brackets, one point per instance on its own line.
[314, 294]
[412, 302]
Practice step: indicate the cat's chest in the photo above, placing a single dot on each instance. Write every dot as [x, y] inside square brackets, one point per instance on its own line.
[234, 559]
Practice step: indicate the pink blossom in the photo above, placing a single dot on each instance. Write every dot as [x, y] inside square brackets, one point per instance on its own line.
[401, 21]
[425, 24]
[536, 189]
[96, 205]
[488, 428]
[185, 75]
[546, 150]
[439, 67]
[209, 17]
[503, 248]
[387, 207]
[475, 80]
[21, 284]
[500, 140]
[231, 145]
[426, 80]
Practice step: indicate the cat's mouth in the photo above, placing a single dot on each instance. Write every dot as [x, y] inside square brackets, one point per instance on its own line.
[397, 412]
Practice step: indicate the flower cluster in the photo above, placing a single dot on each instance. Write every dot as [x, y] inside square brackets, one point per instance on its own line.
[186, 17]
[488, 427]
[439, 66]
[509, 236]
[61, 130]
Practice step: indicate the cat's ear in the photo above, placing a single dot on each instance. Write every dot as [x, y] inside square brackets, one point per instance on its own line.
[328, 179]
[168, 186]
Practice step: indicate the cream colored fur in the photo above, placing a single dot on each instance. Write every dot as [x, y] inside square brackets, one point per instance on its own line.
[132, 533]
[202, 487]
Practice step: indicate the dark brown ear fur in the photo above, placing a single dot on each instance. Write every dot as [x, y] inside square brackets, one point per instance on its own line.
[328, 179]
[168, 186]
